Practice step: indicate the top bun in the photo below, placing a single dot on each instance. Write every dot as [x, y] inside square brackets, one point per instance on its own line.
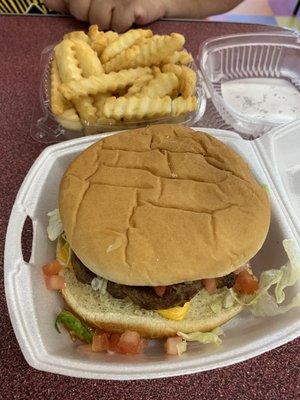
[162, 205]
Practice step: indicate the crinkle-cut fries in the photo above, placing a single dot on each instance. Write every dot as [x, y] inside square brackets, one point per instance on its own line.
[106, 78]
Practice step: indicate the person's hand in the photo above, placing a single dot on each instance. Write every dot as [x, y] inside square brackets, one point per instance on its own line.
[117, 15]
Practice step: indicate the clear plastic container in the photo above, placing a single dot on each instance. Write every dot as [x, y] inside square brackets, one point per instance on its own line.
[47, 127]
[253, 79]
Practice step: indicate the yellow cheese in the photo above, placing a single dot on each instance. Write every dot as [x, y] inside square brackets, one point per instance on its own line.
[175, 313]
[63, 253]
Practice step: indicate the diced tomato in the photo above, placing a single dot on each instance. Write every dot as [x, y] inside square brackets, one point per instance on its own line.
[113, 342]
[55, 282]
[240, 269]
[52, 268]
[210, 285]
[100, 342]
[160, 290]
[130, 343]
[171, 345]
[245, 282]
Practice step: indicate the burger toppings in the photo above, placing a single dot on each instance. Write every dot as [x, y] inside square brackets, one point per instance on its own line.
[74, 326]
[175, 346]
[53, 281]
[210, 285]
[175, 313]
[146, 297]
[113, 342]
[160, 290]
[100, 342]
[162, 297]
[130, 342]
[52, 268]
[246, 282]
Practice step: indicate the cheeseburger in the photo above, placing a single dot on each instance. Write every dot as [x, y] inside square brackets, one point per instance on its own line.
[160, 223]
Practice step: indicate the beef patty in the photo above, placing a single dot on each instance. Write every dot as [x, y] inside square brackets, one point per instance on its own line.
[145, 296]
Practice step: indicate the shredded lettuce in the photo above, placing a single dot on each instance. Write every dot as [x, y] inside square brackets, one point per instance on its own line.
[203, 337]
[181, 347]
[228, 300]
[264, 303]
[55, 227]
[99, 284]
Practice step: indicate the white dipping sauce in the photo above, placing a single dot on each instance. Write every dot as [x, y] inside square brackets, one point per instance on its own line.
[270, 99]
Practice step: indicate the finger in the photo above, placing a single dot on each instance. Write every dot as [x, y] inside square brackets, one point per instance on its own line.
[56, 5]
[122, 17]
[100, 13]
[148, 11]
[80, 9]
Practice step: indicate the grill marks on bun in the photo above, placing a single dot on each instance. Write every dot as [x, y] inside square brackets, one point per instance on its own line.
[181, 205]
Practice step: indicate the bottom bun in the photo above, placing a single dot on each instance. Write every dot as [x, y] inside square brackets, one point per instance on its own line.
[103, 311]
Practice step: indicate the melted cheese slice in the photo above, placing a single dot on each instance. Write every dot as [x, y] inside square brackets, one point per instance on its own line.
[176, 313]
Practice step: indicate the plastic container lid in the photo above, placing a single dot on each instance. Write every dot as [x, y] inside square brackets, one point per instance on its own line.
[253, 79]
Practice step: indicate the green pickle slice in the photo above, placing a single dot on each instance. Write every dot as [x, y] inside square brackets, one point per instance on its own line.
[74, 325]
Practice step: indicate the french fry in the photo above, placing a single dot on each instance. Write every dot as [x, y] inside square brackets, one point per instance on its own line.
[59, 103]
[79, 35]
[70, 53]
[111, 36]
[141, 77]
[138, 84]
[106, 83]
[69, 119]
[98, 39]
[99, 101]
[124, 60]
[136, 108]
[176, 69]
[188, 82]
[179, 57]
[186, 76]
[183, 106]
[66, 61]
[85, 108]
[156, 70]
[99, 104]
[162, 85]
[153, 52]
[123, 42]
[87, 59]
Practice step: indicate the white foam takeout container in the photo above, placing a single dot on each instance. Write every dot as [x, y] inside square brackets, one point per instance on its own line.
[275, 160]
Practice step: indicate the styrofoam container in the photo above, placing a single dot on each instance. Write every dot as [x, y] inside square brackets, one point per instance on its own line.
[253, 79]
[275, 160]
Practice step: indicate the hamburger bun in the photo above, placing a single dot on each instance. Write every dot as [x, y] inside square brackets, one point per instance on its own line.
[162, 205]
[103, 311]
